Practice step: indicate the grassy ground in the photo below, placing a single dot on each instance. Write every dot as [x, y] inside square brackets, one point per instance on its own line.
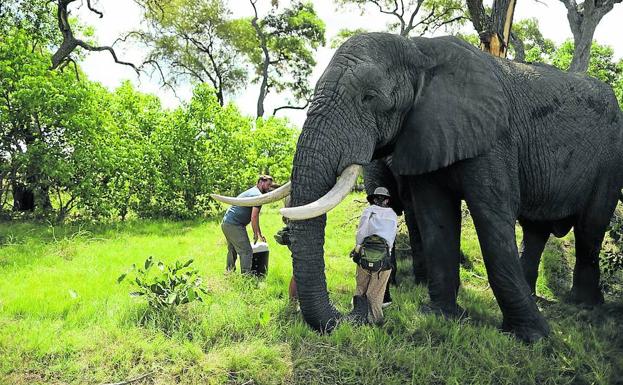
[65, 320]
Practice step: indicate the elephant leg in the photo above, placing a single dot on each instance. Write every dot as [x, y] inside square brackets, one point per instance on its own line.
[495, 224]
[415, 240]
[589, 234]
[535, 236]
[438, 215]
[585, 289]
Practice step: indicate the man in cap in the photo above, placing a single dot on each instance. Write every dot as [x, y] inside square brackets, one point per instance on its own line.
[235, 223]
[375, 238]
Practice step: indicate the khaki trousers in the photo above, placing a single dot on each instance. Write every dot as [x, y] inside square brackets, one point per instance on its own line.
[372, 284]
[237, 244]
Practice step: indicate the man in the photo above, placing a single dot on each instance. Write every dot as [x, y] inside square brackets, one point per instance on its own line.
[235, 223]
[375, 238]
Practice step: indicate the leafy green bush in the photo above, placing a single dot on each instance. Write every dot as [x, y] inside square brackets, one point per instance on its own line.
[612, 255]
[166, 286]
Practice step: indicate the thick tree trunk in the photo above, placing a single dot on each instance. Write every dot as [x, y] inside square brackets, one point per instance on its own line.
[23, 198]
[494, 31]
[582, 40]
[583, 20]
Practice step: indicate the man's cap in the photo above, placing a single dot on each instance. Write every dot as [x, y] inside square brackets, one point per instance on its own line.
[265, 177]
[379, 191]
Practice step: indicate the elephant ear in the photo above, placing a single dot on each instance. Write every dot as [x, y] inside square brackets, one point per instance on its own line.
[461, 111]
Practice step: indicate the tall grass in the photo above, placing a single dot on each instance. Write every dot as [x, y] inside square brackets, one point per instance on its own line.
[65, 320]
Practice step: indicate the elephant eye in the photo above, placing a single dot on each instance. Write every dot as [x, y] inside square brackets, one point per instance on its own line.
[368, 97]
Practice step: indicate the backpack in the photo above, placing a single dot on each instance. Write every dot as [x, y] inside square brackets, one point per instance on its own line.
[374, 254]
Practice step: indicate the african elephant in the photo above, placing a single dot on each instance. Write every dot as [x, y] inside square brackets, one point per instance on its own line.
[514, 141]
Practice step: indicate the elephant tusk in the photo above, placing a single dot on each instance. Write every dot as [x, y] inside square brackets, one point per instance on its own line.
[263, 199]
[329, 200]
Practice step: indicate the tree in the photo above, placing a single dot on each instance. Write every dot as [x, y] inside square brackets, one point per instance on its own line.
[601, 62]
[49, 124]
[528, 43]
[494, 28]
[193, 40]
[583, 20]
[415, 16]
[34, 17]
[280, 49]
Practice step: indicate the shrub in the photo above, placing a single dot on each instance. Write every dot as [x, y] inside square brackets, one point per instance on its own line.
[166, 286]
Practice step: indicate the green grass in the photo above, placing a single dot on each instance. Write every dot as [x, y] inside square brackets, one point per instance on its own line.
[65, 320]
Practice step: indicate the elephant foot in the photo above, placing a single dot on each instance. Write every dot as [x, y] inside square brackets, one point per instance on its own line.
[359, 314]
[587, 297]
[528, 332]
[447, 311]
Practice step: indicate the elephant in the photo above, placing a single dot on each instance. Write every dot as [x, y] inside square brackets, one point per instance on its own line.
[514, 141]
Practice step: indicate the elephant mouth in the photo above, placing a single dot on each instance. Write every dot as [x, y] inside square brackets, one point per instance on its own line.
[311, 210]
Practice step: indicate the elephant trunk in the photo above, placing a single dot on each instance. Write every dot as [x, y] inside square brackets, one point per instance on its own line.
[319, 159]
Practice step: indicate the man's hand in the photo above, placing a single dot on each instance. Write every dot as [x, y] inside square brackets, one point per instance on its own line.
[257, 236]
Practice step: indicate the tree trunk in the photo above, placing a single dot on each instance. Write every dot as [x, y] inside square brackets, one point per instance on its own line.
[583, 20]
[23, 198]
[265, 64]
[582, 40]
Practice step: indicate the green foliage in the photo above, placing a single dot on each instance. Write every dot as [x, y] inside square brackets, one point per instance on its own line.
[537, 48]
[193, 40]
[36, 18]
[79, 146]
[49, 124]
[601, 64]
[166, 286]
[290, 36]
[612, 254]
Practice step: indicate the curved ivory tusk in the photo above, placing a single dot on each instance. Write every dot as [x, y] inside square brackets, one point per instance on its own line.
[329, 200]
[263, 199]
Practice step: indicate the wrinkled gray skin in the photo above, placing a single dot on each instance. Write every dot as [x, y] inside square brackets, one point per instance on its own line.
[514, 141]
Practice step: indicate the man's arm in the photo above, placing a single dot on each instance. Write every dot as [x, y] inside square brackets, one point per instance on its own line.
[255, 224]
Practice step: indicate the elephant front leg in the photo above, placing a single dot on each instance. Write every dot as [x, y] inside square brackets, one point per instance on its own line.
[495, 225]
[438, 215]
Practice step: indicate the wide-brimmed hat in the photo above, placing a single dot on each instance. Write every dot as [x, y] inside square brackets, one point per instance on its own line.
[380, 192]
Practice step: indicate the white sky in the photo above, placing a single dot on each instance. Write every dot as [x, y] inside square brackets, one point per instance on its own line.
[123, 15]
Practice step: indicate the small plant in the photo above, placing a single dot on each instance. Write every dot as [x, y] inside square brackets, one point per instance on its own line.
[166, 286]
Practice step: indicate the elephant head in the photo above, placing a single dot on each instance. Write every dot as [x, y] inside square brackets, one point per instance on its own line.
[427, 102]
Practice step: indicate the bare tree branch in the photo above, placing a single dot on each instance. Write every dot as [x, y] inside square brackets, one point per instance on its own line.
[100, 14]
[70, 42]
[291, 107]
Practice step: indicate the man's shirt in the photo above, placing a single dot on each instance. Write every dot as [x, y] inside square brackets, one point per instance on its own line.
[378, 220]
[239, 215]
